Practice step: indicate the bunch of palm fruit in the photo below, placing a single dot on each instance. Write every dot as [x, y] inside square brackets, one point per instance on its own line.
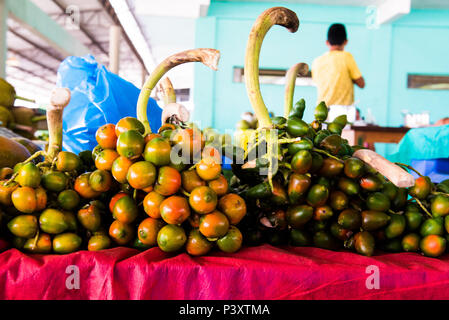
[136, 188]
[304, 186]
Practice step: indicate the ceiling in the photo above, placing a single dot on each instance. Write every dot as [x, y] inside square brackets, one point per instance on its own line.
[32, 63]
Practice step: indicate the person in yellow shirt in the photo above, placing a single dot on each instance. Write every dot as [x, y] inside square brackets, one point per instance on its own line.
[335, 74]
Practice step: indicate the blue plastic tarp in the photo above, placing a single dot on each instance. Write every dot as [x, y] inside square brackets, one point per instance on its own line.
[98, 97]
[423, 144]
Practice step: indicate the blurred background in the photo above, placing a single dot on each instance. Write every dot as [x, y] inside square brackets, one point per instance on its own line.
[400, 46]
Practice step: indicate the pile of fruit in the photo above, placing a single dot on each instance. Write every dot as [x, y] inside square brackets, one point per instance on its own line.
[128, 191]
[293, 182]
[316, 192]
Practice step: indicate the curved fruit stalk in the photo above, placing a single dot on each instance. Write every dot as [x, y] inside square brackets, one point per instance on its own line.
[290, 81]
[208, 57]
[60, 98]
[166, 91]
[277, 15]
[172, 112]
[288, 19]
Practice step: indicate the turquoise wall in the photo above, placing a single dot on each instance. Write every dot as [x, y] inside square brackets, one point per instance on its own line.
[416, 43]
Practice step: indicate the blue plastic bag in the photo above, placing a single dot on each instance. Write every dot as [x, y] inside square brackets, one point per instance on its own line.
[98, 97]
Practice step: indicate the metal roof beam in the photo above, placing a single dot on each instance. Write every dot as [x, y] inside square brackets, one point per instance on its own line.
[35, 45]
[37, 21]
[43, 66]
[82, 28]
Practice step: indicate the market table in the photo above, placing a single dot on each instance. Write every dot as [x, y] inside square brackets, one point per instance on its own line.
[374, 134]
[263, 272]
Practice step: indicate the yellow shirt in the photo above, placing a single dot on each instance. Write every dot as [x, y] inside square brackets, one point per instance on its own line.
[333, 73]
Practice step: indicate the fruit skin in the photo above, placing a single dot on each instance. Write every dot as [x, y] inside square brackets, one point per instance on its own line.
[175, 210]
[350, 219]
[331, 168]
[203, 200]
[439, 206]
[98, 242]
[410, 242]
[100, 180]
[373, 220]
[125, 210]
[339, 232]
[72, 222]
[378, 201]
[197, 244]
[12, 152]
[322, 213]
[317, 195]
[422, 188]
[83, 187]
[120, 168]
[370, 183]
[55, 181]
[208, 169]
[413, 219]
[67, 161]
[219, 185]
[259, 191]
[300, 238]
[298, 184]
[232, 241]
[354, 168]
[298, 215]
[432, 226]
[301, 162]
[190, 180]
[90, 217]
[121, 233]
[400, 199]
[348, 186]
[6, 189]
[171, 238]
[128, 123]
[433, 245]
[303, 144]
[214, 225]
[157, 151]
[106, 136]
[29, 175]
[52, 221]
[297, 127]
[338, 200]
[66, 243]
[114, 200]
[364, 243]
[141, 174]
[24, 199]
[396, 226]
[390, 190]
[43, 244]
[168, 181]
[151, 204]
[321, 111]
[148, 230]
[233, 206]
[130, 144]
[324, 240]
[332, 143]
[24, 226]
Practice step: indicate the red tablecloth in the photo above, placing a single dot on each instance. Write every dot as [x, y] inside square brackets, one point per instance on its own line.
[263, 272]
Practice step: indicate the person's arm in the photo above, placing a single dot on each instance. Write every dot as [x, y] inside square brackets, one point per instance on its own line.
[360, 82]
[354, 71]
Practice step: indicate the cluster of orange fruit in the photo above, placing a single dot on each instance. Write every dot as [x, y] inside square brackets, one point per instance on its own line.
[172, 204]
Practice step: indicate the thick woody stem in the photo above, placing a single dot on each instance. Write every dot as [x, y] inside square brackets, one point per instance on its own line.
[208, 57]
[290, 81]
[166, 91]
[60, 98]
[277, 15]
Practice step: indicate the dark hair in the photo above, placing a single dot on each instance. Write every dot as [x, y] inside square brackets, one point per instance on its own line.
[336, 34]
